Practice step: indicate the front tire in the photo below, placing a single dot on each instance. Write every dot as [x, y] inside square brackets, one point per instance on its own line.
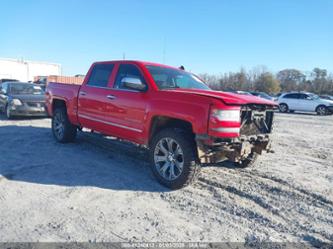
[174, 159]
[322, 110]
[63, 131]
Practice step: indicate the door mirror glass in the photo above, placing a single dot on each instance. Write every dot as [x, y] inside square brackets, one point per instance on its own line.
[133, 83]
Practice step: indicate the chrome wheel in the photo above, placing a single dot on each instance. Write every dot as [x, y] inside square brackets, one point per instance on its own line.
[59, 125]
[168, 159]
[321, 110]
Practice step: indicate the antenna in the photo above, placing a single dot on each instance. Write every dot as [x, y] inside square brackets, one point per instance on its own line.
[124, 55]
[163, 53]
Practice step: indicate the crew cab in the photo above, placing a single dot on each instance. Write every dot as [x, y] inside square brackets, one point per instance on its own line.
[173, 113]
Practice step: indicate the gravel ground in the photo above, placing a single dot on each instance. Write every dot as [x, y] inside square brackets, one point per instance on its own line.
[98, 189]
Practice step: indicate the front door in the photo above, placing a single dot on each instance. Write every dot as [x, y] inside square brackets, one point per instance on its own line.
[127, 107]
[306, 103]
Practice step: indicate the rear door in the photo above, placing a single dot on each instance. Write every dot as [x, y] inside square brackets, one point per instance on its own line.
[92, 97]
[291, 99]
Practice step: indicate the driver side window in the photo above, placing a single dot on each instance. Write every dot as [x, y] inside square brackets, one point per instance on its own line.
[304, 96]
[127, 70]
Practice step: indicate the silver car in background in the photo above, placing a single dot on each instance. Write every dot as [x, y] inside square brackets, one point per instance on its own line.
[304, 102]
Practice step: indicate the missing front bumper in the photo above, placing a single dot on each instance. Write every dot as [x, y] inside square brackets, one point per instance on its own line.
[233, 151]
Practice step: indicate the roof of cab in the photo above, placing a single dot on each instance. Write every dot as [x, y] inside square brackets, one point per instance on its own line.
[145, 63]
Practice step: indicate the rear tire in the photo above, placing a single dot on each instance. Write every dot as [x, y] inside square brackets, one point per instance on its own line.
[322, 110]
[249, 161]
[283, 108]
[63, 131]
[173, 157]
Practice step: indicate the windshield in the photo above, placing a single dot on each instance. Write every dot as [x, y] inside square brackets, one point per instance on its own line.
[169, 78]
[25, 88]
[314, 96]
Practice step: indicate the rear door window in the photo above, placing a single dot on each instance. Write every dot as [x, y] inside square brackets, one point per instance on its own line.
[100, 75]
[291, 96]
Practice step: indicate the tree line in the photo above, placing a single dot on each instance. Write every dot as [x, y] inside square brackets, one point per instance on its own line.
[318, 81]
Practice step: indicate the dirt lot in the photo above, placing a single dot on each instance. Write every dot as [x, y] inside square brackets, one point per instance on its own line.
[100, 190]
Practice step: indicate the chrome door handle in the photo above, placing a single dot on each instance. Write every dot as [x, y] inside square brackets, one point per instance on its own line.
[111, 96]
[83, 93]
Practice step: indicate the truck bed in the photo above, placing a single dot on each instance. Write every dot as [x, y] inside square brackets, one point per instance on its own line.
[69, 93]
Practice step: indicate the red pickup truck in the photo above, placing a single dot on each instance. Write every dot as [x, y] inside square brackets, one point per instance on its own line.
[172, 112]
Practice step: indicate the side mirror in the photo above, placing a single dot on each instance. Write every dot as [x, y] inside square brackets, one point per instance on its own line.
[133, 83]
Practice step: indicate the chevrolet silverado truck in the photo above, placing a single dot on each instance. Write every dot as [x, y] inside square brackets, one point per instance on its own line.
[171, 112]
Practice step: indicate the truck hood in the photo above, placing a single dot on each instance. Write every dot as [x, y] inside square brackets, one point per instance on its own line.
[227, 98]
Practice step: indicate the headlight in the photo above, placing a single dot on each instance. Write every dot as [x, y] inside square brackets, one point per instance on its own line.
[16, 102]
[226, 115]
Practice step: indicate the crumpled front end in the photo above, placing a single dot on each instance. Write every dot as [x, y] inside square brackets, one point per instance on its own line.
[253, 136]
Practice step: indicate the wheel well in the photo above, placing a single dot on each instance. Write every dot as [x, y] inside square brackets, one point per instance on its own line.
[161, 122]
[58, 103]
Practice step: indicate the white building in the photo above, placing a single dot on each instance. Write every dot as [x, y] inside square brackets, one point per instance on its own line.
[26, 70]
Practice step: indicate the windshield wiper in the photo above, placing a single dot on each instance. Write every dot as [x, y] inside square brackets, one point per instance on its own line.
[174, 87]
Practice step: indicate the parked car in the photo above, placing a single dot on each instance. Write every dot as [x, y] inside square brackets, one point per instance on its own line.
[263, 95]
[304, 102]
[328, 97]
[22, 99]
[173, 113]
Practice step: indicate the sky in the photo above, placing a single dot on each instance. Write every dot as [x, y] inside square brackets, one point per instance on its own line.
[205, 36]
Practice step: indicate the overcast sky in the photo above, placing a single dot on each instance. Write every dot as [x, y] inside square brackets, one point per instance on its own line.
[205, 36]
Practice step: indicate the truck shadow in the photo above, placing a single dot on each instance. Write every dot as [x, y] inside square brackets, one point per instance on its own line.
[30, 154]
[21, 118]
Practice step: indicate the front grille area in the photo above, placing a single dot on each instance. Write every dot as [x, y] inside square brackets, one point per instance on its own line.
[35, 104]
[256, 120]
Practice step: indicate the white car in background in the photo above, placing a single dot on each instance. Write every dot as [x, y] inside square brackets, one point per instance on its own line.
[304, 102]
